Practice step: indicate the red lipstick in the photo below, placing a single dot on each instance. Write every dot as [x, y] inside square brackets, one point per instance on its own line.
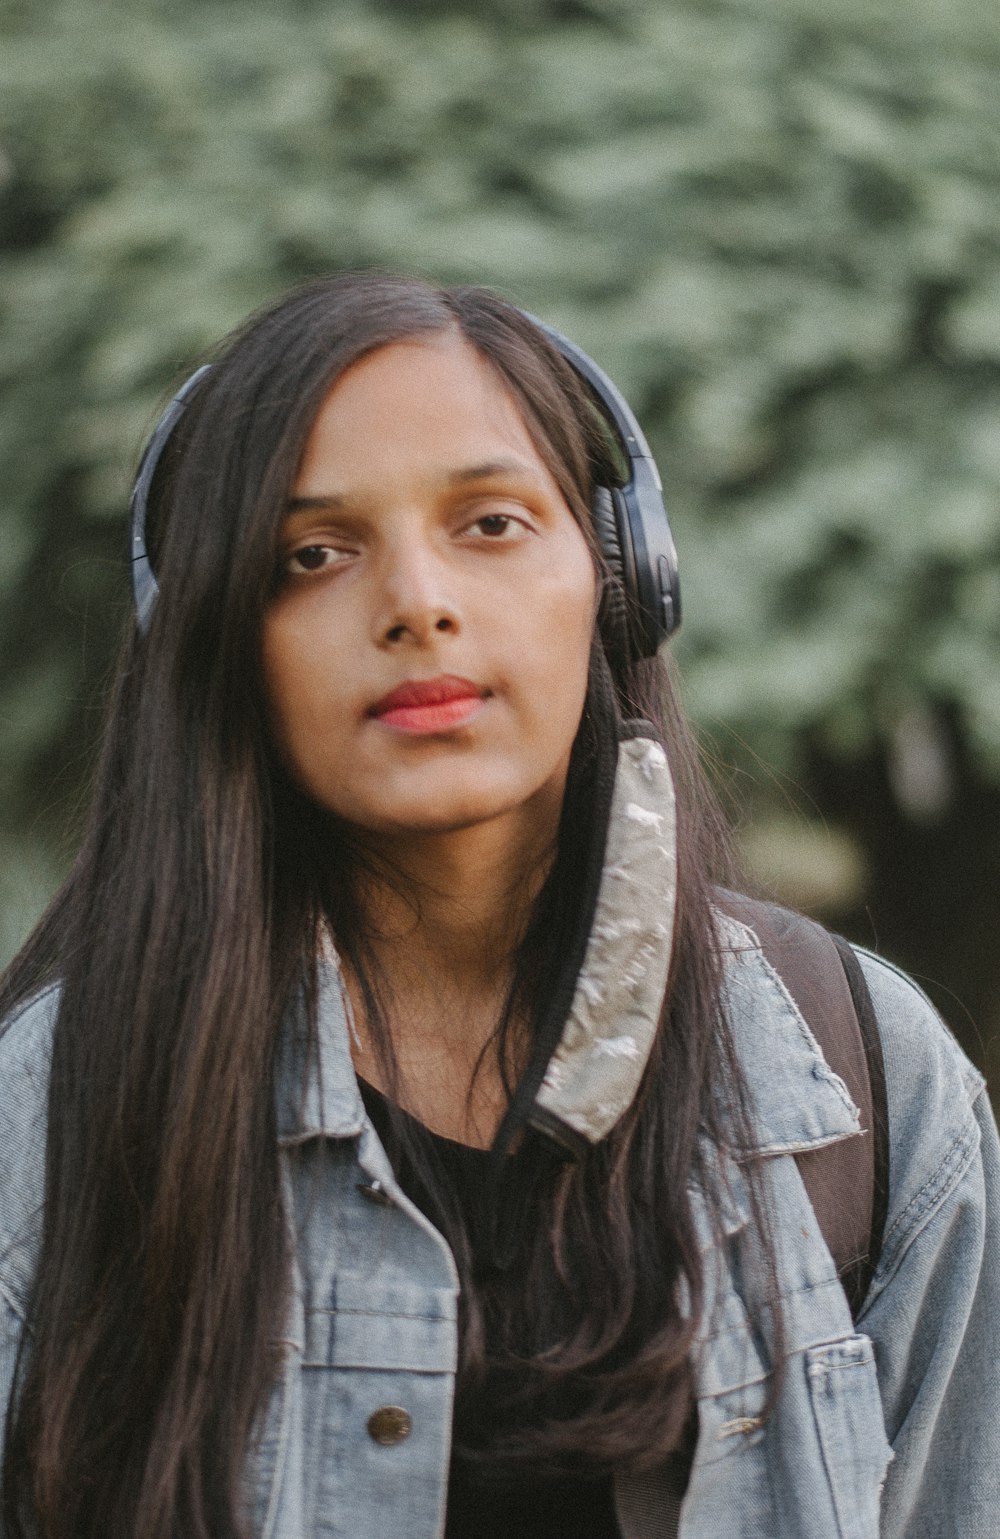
[429, 705]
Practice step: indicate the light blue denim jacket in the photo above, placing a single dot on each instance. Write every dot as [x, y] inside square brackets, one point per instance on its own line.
[888, 1427]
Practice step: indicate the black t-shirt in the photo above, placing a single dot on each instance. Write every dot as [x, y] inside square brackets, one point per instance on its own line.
[481, 1503]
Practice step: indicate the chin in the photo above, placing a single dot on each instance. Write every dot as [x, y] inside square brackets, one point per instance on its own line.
[445, 811]
[436, 820]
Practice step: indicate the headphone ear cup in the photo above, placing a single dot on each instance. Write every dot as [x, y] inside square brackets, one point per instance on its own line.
[612, 616]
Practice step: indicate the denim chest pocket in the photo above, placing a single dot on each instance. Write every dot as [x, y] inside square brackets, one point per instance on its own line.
[812, 1463]
[357, 1433]
[368, 1324]
[847, 1410]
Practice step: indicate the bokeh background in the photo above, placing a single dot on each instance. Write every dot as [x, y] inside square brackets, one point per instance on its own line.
[776, 222]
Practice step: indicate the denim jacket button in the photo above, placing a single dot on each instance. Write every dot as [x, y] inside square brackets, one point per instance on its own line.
[390, 1424]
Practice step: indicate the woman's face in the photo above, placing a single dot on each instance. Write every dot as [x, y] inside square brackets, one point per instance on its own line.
[426, 651]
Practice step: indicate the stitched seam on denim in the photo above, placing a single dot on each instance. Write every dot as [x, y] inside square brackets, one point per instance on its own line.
[849, 1352]
[383, 1314]
[790, 1293]
[799, 1352]
[356, 1367]
[931, 1195]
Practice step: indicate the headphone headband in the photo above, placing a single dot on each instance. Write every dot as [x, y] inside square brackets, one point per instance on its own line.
[631, 519]
[144, 585]
[603, 387]
[631, 522]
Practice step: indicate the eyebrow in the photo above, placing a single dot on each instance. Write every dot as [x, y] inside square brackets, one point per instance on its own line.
[491, 468]
[465, 475]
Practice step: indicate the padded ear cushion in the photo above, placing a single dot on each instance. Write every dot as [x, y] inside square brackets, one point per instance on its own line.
[613, 614]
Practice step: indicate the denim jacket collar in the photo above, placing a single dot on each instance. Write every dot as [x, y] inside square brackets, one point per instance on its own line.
[797, 1101]
[317, 1091]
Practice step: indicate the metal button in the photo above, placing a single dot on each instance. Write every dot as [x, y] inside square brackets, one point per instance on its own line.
[375, 1192]
[390, 1424]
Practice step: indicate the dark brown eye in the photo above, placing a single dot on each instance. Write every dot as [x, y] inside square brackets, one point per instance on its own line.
[311, 557]
[494, 523]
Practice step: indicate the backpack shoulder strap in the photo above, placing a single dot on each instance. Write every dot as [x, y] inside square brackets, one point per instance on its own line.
[847, 1181]
[867, 1020]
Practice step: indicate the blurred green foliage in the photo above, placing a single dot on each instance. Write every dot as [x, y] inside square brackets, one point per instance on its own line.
[776, 222]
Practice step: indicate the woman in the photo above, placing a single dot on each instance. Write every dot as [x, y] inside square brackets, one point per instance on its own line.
[388, 1037]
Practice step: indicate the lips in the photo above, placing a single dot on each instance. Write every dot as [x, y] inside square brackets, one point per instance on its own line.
[430, 705]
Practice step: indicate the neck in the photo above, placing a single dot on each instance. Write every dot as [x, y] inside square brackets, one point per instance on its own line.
[456, 903]
[444, 923]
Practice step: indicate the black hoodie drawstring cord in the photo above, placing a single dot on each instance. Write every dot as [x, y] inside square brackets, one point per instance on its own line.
[589, 789]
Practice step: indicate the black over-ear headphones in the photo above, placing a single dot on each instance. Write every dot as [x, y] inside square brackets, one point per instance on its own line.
[640, 610]
[144, 585]
[632, 526]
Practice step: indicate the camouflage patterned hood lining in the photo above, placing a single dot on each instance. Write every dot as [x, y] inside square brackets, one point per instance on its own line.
[594, 1072]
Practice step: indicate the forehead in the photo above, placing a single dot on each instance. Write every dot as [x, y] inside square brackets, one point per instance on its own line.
[411, 407]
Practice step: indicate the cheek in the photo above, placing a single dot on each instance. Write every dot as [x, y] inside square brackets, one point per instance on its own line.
[559, 620]
[300, 691]
[570, 607]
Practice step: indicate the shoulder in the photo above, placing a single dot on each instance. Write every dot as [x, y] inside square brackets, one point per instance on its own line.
[934, 1302]
[25, 1058]
[922, 1056]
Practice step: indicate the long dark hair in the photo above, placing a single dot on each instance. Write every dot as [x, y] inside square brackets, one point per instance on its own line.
[190, 916]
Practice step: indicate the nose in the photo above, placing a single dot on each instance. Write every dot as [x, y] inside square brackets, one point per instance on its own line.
[416, 596]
